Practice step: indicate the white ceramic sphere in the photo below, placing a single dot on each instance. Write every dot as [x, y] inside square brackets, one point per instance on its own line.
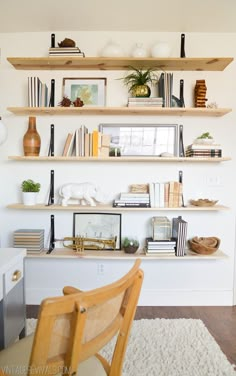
[161, 49]
[112, 49]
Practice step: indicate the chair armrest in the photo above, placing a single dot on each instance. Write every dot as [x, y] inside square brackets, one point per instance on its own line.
[67, 290]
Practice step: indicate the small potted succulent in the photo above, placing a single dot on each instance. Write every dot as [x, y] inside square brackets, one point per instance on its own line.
[138, 80]
[130, 245]
[205, 138]
[30, 191]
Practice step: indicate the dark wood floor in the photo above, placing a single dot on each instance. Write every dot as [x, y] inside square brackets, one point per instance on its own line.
[220, 321]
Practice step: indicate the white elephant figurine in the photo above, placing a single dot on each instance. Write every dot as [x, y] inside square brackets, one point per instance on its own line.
[85, 193]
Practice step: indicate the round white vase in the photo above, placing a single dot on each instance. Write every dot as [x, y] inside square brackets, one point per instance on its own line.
[112, 49]
[29, 198]
[139, 51]
[161, 49]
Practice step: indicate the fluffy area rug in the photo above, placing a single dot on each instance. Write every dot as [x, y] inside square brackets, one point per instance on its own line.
[164, 347]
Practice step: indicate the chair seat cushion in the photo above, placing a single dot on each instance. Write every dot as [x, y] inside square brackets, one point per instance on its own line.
[15, 359]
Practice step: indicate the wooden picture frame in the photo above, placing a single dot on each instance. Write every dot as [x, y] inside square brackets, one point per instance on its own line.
[92, 91]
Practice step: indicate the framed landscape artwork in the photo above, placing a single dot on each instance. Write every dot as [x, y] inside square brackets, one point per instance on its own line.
[92, 91]
[100, 226]
[143, 139]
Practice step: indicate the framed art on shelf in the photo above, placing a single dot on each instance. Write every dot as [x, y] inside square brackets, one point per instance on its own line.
[98, 229]
[143, 139]
[92, 91]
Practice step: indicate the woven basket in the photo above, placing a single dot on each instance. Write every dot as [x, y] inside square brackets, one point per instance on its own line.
[204, 246]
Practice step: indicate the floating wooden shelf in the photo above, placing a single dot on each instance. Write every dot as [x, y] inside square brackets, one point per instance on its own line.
[120, 63]
[121, 255]
[111, 209]
[120, 159]
[161, 111]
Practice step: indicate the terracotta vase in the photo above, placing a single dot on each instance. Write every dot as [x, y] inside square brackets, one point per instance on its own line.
[31, 140]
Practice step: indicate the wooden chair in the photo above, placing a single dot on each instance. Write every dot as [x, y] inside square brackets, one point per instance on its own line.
[71, 329]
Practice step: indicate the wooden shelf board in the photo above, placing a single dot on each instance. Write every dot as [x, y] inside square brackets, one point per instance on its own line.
[121, 255]
[162, 111]
[118, 159]
[112, 209]
[120, 63]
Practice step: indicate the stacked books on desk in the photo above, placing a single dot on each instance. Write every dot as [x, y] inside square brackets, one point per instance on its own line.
[160, 247]
[65, 51]
[133, 200]
[204, 150]
[31, 239]
[145, 102]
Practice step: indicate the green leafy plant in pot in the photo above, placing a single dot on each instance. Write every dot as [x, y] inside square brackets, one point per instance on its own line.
[130, 245]
[30, 191]
[138, 81]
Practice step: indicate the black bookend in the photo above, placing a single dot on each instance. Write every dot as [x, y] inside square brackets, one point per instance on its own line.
[52, 40]
[181, 93]
[51, 236]
[182, 47]
[52, 94]
[51, 145]
[181, 181]
[51, 189]
[181, 141]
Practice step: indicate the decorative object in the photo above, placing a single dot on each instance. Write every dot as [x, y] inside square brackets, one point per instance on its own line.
[161, 49]
[161, 228]
[203, 202]
[200, 93]
[30, 191]
[112, 49]
[138, 80]
[78, 102]
[92, 91]
[80, 244]
[205, 139]
[67, 42]
[204, 245]
[142, 139]
[84, 193]
[139, 51]
[3, 132]
[212, 105]
[103, 226]
[130, 245]
[31, 139]
[154, 349]
[65, 102]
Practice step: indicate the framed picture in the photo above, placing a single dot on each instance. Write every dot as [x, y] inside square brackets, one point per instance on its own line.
[143, 139]
[99, 227]
[92, 91]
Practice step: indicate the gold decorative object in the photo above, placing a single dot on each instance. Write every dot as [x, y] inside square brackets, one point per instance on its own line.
[141, 91]
[204, 245]
[203, 202]
[79, 243]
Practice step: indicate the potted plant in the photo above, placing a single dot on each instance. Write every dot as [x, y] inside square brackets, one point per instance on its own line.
[138, 80]
[30, 191]
[130, 245]
[205, 138]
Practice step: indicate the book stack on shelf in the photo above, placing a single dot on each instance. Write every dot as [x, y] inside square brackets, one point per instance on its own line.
[31, 239]
[133, 200]
[165, 88]
[166, 194]
[145, 102]
[81, 143]
[204, 150]
[160, 247]
[65, 51]
[38, 95]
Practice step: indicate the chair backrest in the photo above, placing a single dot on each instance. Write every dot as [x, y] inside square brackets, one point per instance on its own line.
[74, 327]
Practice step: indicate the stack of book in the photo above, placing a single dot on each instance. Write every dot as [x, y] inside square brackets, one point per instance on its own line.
[204, 150]
[133, 200]
[38, 95]
[179, 234]
[31, 239]
[65, 51]
[160, 247]
[148, 102]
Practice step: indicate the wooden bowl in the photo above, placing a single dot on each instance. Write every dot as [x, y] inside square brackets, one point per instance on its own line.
[204, 246]
[203, 202]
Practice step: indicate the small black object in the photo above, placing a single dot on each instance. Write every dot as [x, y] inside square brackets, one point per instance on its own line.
[51, 189]
[181, 93]
[181, 142]
[52, 40]
[182, 48]
[52, 236]
[181, 181]
[52, 94]
[51, 145]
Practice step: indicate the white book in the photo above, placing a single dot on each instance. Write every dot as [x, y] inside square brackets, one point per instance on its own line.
[162, 195]
[156, 195]
[152, 195]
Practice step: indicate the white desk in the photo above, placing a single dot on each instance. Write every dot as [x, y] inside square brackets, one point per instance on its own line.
[12, 301]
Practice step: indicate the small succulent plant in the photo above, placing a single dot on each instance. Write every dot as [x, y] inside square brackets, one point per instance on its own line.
[30, 186]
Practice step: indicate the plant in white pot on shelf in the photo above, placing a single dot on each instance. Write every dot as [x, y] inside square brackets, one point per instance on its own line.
[30, 191]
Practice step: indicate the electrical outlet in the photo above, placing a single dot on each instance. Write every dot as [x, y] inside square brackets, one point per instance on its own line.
[100, 269]
[213, 181]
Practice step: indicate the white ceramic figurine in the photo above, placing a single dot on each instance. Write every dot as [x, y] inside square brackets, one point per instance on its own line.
[85, 193]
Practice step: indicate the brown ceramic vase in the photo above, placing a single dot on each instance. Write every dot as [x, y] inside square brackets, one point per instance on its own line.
[31, 140]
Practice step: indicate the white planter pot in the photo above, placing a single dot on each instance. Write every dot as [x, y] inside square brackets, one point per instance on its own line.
[29, 198]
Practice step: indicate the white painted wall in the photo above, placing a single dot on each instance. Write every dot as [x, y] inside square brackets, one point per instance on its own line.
[170, 283]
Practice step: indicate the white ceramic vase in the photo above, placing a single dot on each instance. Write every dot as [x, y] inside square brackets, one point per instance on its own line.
[161, 49]
[139, 51]
[29, 198]
[112, 49]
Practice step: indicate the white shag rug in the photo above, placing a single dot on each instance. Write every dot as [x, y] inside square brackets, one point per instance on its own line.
[166, 347]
